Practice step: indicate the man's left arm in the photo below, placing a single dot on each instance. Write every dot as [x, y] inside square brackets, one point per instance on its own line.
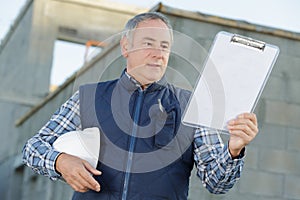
[219, 166]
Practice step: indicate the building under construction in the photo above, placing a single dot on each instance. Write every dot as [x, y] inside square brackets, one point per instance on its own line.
[26, 102]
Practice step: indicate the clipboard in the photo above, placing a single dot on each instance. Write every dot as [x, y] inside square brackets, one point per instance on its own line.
[233, 77]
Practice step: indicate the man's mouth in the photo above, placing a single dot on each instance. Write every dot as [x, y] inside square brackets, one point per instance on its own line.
[154, 65]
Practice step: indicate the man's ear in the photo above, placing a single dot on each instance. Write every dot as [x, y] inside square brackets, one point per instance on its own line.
[124, 43]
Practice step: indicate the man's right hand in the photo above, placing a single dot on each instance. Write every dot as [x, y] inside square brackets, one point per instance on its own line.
[77, 173]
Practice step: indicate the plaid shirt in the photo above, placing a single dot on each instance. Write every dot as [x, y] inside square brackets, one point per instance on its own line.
[215, 167]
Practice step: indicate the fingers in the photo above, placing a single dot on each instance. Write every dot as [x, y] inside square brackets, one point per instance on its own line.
[242, 131]
[90, 182]
[86, 181]
[245, 138]
[78, 186]
[81, 180]
[250, 116]
[245, 122]
[91, 169]
[243, 125]
[78, 173]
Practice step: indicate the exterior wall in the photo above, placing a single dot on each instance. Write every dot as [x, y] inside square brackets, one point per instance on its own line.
[14, 62]
[15, 101]
[272, 161]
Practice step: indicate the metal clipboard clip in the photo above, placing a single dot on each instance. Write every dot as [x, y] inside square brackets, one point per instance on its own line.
[248, 42]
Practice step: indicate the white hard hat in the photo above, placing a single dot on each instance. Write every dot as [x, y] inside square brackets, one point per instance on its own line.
[83, 144]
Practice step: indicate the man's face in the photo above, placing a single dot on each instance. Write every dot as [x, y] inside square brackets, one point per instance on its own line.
[147, 51]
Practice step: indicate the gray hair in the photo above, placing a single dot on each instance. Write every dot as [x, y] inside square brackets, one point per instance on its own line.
[133, 22]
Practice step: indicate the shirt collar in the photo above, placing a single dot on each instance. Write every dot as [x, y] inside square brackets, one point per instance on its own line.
[131, 84]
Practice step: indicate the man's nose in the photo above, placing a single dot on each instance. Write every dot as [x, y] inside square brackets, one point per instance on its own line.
[157, 52]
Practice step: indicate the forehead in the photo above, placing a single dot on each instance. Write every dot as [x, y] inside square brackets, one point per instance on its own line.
[154, 28]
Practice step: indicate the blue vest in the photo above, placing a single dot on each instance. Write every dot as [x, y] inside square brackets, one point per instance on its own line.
[146, 152]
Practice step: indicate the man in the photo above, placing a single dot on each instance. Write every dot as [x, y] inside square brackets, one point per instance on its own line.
[121, 109]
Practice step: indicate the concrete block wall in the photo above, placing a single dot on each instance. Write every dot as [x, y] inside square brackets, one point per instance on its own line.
[22, 79]
[16, 98]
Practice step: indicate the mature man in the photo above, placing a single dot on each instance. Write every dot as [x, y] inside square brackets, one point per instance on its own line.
[146, 152]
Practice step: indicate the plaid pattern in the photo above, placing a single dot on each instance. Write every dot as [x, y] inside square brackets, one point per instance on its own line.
[38, 152]
[215, 167]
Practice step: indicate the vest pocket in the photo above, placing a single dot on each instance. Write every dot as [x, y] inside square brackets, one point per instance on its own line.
[166, 134]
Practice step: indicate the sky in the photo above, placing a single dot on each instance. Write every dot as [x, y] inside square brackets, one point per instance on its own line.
[281, 14]
[8, 11]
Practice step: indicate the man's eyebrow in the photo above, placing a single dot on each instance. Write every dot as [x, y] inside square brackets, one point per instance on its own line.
[149, 38]
[153, 40]
[165, 42]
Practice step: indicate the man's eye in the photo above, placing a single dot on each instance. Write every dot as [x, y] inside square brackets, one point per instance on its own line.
[149, 44]
[165, 47]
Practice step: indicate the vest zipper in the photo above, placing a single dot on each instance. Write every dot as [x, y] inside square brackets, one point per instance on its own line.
[132, 142]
